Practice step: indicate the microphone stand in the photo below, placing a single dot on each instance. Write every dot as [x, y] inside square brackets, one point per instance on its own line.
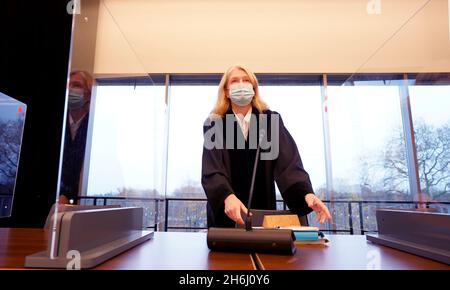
[248, 220]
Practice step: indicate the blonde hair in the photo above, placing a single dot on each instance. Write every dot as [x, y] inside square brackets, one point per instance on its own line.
[223, 102]
[87, 78]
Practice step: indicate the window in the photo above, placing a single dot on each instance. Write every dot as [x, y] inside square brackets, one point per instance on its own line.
[366, 141]
[186, 215]
[189, 108]
[300, 109]
[126, 158]
[430, 103]
[368, 153]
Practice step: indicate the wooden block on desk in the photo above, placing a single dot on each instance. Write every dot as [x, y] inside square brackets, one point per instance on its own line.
[288, 220]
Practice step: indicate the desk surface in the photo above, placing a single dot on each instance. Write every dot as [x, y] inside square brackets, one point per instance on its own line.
[167, 250]
[347, 252]
[185, 251]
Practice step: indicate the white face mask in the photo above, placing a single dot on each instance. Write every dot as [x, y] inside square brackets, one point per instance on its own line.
[76, 98]
[241, 94]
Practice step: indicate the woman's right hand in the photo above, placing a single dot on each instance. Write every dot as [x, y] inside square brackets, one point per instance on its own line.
[233, 208]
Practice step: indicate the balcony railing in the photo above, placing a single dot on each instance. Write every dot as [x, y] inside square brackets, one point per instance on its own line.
[355, 210]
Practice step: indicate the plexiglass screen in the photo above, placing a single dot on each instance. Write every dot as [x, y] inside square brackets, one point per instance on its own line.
[363, 88]
[112, 154]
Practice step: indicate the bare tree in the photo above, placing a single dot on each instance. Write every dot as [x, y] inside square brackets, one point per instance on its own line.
[433, 157]
[189, 213]
[190, 189]
[394, 164]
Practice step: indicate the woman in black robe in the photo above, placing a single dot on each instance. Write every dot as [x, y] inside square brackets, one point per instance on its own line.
[239, 122]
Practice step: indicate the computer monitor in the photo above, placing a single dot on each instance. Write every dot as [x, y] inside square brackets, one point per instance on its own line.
[12, 121]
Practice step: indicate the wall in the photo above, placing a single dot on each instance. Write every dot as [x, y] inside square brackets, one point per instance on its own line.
[200, 36]
[84, 36]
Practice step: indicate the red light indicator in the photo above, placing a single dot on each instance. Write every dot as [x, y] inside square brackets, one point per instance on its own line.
[19, 110]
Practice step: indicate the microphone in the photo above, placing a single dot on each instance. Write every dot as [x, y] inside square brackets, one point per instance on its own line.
[275, 241]
[248, 220]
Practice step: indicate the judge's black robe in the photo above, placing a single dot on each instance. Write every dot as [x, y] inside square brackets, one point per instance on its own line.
[227, 171]
[73, 158]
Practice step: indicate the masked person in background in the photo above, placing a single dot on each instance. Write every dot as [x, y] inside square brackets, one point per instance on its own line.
[80, 88]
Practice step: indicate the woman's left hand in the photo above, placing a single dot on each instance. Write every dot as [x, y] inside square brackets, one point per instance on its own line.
[321, 210]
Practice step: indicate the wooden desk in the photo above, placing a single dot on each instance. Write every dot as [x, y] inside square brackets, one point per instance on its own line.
[185, 251]
[346, 252]
[167, 250]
